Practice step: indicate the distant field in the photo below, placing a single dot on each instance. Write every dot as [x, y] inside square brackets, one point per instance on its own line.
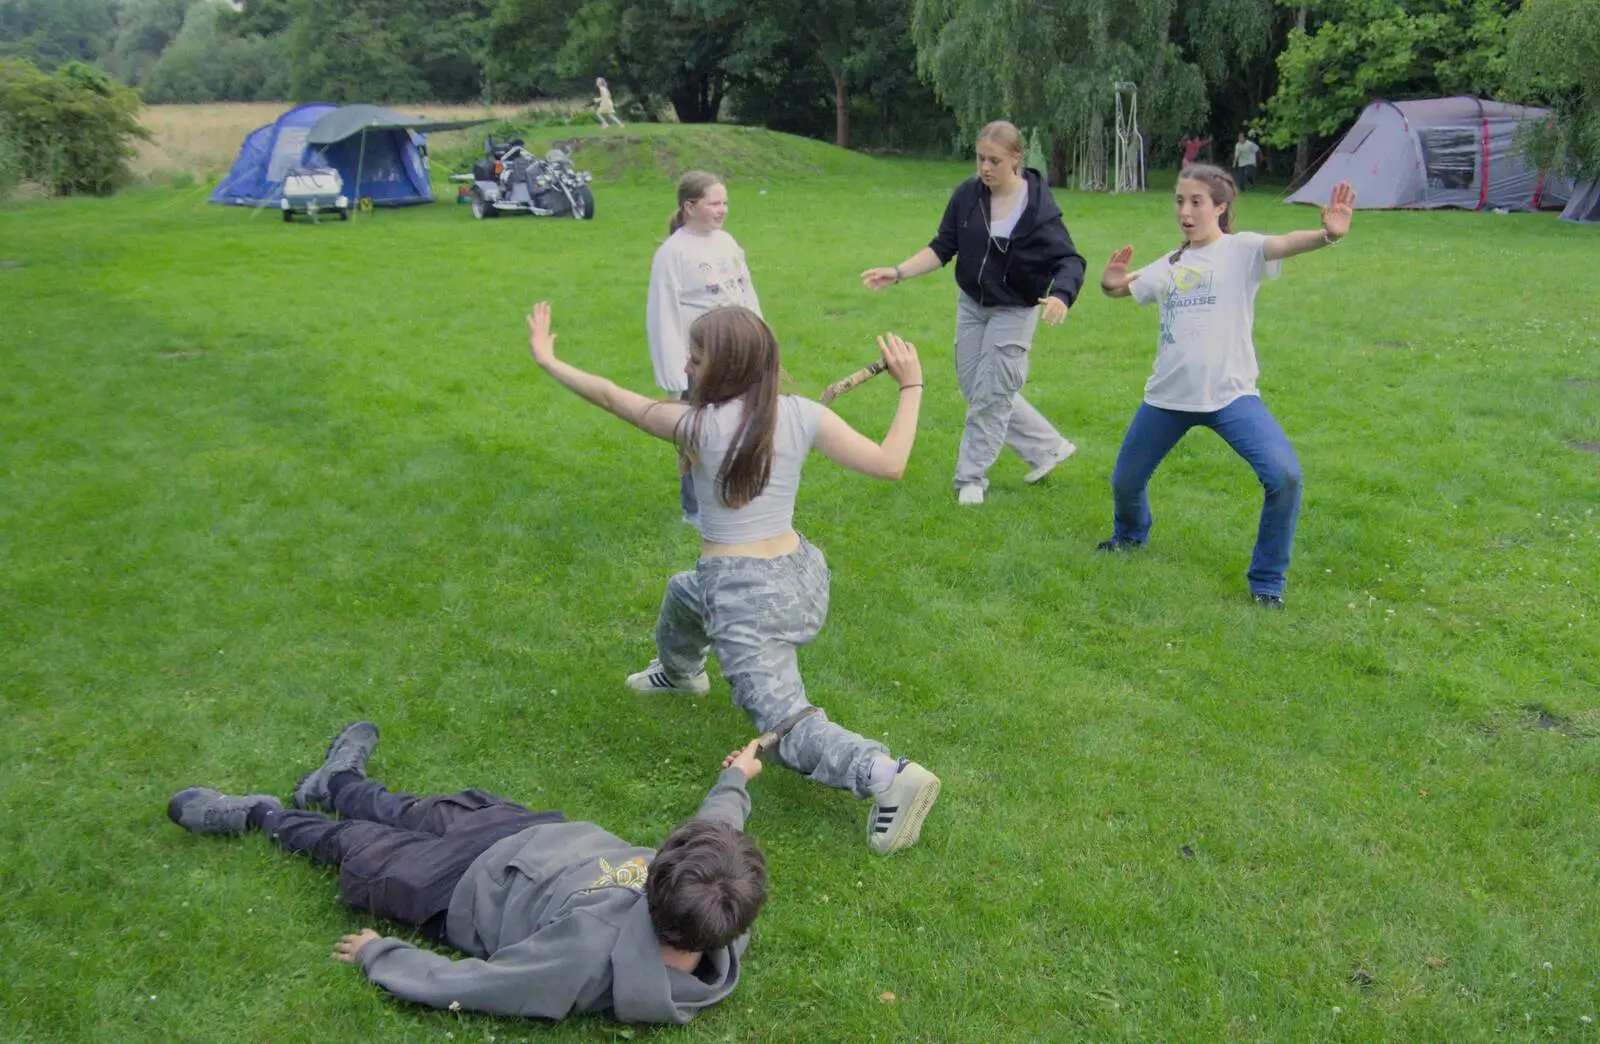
[202, 140]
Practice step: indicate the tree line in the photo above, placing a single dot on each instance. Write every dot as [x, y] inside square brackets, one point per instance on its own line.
[908, 74]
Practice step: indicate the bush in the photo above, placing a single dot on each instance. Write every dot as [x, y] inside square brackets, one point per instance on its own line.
[71, 131]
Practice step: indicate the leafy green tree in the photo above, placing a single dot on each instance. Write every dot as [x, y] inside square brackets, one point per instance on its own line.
[1050, 64]
[145, 28]
[72, 131]
[1357, 50]
[50, 33]
[1554, 57]
[204, 64]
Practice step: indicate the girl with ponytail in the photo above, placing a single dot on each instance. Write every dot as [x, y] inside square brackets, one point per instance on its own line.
[699, 268]
[759, 589]
[1205, 371]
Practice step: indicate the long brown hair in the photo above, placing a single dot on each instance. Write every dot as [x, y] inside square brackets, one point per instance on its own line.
[737, 359]
[1220, 187]
[692, 188]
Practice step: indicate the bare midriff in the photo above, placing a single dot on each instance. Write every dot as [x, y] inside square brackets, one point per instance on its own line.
[771, 547]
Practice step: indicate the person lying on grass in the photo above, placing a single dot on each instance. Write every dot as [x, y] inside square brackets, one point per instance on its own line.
[555, 918]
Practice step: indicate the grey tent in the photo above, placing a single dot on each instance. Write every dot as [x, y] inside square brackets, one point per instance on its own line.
[1584, 206]
[1439, 152]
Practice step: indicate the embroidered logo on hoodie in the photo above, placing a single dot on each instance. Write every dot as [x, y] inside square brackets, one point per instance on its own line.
[632, 874]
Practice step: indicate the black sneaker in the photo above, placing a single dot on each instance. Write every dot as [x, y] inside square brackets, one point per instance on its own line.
[348, 752]
[206, 811]
[1268, 601]
[1117, 545]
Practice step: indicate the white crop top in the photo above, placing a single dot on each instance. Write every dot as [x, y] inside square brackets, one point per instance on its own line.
[772, 513]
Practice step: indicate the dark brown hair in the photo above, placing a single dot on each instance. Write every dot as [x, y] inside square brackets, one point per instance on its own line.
[1220, 187]
[706, 886]
[692, 188]
[738, 359]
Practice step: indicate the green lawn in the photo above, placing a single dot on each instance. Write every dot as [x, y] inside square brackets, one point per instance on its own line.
[260, 481]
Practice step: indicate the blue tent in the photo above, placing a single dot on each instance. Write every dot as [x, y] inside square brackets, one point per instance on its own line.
[376, 152]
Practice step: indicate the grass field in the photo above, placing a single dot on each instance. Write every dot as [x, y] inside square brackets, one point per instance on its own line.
[263, 480]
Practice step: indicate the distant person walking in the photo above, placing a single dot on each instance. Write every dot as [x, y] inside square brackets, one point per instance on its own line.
[603, 104]
[1191, 148]
[1245, 155]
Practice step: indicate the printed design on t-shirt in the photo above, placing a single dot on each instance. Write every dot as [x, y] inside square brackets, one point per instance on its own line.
[727, 281]
[1191, 289]
[632, 874]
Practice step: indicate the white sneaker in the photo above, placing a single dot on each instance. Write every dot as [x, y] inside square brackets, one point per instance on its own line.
[655, 678]
[970, 495]
[897, 813]
[1065, 450]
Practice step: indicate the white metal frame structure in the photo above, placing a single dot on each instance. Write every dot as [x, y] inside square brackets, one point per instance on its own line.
[1128, 168]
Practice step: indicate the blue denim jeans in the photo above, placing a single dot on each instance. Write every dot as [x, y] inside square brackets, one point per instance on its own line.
[1253, 433]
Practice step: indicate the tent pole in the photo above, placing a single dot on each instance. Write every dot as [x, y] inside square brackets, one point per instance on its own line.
[361, 162]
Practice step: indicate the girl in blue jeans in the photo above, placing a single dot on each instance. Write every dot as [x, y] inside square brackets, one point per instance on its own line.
[1205, 370]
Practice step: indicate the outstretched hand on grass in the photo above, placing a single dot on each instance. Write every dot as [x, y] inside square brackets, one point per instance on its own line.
[878, 278]
[1340, 209]
[901, 359]
[745, 760]
[348, 947]
[541, 341]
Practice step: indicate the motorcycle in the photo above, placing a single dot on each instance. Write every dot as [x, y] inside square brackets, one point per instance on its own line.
[509, 178]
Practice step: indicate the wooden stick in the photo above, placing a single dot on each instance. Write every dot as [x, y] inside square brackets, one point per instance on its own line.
[861, 376]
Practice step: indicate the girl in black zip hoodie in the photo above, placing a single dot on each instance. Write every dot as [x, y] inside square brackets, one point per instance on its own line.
[1014, 263]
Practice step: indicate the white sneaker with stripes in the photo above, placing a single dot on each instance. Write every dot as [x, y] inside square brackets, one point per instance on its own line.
[655, 678]
[897, 813]
[1064, 451]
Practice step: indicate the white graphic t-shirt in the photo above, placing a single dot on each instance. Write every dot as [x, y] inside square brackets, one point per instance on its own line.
[1205, 357]
[690, 276]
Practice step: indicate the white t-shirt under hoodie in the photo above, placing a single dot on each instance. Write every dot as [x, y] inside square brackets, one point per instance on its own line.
[690, 276]
[1205, 357]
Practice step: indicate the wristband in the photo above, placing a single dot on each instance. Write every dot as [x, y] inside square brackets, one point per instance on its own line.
[1330, 240]
[903, 387]
[899, 276]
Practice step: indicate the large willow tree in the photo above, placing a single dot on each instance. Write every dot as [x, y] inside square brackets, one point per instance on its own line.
[1050, 65]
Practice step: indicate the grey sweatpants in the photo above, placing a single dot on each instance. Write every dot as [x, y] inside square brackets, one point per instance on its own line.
[754, 613]
[991, 365]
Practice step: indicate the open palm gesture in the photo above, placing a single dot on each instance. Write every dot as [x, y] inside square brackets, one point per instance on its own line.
[1336, 215]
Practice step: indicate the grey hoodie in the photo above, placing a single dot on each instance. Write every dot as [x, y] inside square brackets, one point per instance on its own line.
[554, 921]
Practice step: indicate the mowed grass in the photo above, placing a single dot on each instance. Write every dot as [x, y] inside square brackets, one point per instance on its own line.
[261, 481]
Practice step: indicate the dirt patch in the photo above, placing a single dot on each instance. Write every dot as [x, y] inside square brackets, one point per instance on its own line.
[1393, 344]
[1585, 447]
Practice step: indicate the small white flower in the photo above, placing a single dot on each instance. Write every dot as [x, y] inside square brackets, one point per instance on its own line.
[1338, 1010]
[1585, 1019]
[1546, 966]
[455, 1005]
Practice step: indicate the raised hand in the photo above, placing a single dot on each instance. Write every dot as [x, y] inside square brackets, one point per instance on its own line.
[901, 359]
[878, 278]
[1115, 276]
[1340, 209]
[1055, 310]
[746, 760]
[541, 341]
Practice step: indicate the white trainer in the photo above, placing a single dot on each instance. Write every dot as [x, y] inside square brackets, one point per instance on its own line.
[897, 813]
[970, 495]
[655, 678]
[1065, 450]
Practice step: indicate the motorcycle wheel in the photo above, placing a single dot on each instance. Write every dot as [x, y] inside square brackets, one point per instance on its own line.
[583, 199]
[482, 209]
